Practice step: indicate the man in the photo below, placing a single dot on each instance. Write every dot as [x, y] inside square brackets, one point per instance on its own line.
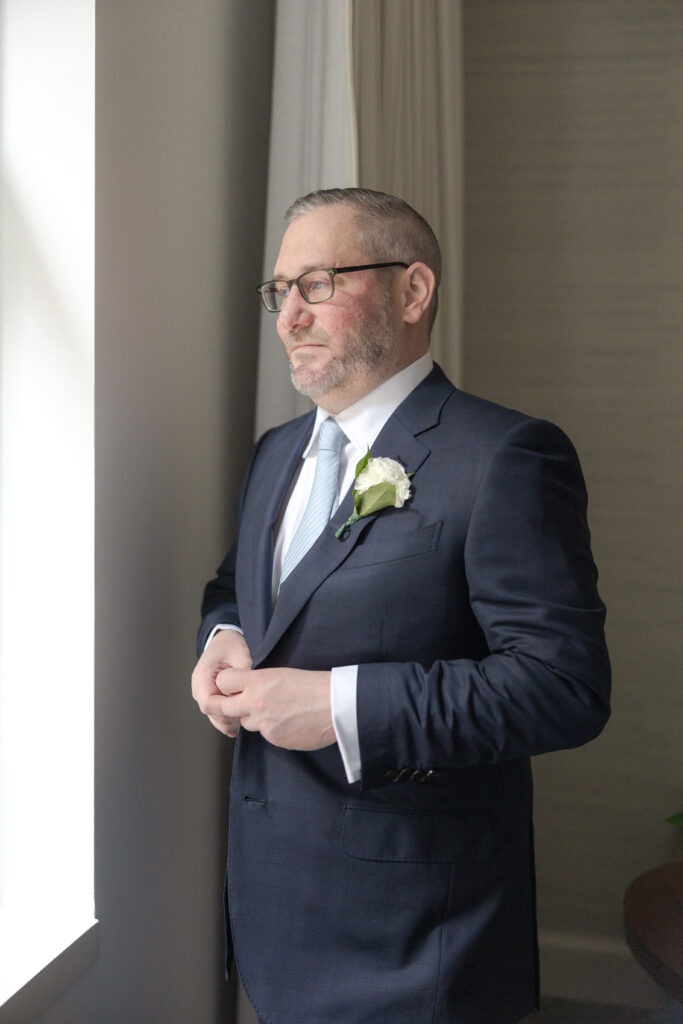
[390, 681]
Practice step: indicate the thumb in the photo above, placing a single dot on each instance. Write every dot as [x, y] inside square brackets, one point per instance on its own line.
[232, 680]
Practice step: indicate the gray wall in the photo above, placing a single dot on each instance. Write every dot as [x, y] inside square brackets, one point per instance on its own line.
[574, 311]
[183, 98]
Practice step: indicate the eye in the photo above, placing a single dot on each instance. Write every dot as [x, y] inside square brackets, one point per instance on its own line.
[280, 289]
[317, 283]
[272, 288]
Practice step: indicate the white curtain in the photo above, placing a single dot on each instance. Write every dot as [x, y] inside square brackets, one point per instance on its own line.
[409, 101]
[312, 145]
[366, 92]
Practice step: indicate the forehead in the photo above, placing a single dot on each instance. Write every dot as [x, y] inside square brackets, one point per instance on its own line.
[327, 237]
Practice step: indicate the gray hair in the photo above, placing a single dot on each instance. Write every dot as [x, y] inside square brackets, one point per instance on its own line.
[388, 228]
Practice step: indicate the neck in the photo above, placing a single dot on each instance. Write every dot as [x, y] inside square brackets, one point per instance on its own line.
[337, 400]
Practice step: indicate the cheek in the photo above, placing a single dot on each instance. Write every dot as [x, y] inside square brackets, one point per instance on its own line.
[341, 324]
[335, 324]
[280, 328]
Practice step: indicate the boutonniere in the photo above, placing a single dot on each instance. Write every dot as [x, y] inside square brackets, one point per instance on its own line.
[380, 483]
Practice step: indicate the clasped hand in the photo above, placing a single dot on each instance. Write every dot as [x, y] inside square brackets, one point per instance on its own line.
[290, 707]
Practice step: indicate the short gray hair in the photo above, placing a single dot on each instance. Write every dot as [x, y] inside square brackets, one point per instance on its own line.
[388, 228]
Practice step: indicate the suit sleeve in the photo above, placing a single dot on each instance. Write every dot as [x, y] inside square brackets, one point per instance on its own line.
[219, 605]
[532, 584]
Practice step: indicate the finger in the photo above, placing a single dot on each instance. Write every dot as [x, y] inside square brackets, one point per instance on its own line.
[202, 683]
[241, 656]
[232, 680]
[228, 726]
[232, 708]
[215, 711]
[229, 648]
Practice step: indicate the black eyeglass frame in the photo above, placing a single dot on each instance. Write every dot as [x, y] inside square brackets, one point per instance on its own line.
[332, 271]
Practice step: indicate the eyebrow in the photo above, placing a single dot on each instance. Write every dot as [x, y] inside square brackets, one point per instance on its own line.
[307, 268]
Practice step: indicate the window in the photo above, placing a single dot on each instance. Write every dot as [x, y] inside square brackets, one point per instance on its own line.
[46, 481]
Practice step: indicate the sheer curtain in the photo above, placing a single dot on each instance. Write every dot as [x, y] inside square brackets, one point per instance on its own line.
[366, 92]
[409, 99]
[312, 145]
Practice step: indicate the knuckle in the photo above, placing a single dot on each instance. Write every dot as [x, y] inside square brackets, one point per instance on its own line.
[269, 734]
[257, 704]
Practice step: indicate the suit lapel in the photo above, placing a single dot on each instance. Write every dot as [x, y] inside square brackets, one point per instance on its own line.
[267, 492]
[398, 440]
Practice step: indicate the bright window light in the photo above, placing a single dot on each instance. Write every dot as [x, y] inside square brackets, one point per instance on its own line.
[46, 481]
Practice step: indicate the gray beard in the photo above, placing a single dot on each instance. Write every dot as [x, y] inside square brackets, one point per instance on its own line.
[335, 375]
[367, 353]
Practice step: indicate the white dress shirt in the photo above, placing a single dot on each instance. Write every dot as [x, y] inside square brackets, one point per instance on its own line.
[361, 423]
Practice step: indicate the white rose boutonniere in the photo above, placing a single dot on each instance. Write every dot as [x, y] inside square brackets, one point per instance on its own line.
[380, 483]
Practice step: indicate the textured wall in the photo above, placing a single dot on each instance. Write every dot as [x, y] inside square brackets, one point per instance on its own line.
[574, 312]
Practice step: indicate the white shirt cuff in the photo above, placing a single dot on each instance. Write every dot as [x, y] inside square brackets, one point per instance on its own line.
[343, 699]
[218, 628]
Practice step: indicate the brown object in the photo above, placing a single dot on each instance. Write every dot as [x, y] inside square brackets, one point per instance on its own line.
[653, 918]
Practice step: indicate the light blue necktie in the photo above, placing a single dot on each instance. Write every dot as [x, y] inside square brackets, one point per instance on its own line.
[323, 499]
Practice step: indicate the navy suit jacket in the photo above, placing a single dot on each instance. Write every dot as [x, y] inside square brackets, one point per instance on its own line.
[475, 620]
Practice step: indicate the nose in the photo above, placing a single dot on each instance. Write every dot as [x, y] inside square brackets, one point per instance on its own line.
[295, 312]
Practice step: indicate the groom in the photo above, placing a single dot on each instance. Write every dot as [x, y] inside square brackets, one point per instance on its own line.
[389, 677]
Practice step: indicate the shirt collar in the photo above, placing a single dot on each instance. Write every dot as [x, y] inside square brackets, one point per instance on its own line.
[362, 421]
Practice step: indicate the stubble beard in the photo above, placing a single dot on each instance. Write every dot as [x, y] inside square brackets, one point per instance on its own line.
[367, 351]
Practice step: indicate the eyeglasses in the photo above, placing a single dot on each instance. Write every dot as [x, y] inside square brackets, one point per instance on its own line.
[314, 286]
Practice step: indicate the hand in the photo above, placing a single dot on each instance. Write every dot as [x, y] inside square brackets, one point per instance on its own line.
[227, 649]
[290, 707]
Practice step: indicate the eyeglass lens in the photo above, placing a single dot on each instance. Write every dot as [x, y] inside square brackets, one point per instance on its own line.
[315, 286]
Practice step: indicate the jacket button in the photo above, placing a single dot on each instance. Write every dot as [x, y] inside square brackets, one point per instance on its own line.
[391, 775]
[418, 775]
[405, 774]
[432, 775]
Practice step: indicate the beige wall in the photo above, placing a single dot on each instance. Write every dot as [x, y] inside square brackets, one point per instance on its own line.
[183, 96]
[574, 312]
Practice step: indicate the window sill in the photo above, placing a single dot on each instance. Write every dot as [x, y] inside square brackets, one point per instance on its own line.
[48, 985]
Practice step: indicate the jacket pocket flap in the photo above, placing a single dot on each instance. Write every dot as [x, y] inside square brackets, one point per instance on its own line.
[417, 836]
[375, 547]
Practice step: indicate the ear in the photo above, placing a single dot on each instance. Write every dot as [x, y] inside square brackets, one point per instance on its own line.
[417, 288]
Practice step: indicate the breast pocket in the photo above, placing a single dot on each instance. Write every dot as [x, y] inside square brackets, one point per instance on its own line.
[417, 836]
[383, 546]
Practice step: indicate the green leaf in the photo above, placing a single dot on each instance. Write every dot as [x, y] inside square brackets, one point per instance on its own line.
[377, 497]
[676, 819]
[363, 463]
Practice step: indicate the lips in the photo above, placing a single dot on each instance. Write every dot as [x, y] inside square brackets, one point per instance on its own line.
[298, 342]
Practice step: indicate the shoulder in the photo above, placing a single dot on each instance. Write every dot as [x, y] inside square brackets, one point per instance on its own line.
[480, 417]
[437, 404]
[471, 420]
[478, 429]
